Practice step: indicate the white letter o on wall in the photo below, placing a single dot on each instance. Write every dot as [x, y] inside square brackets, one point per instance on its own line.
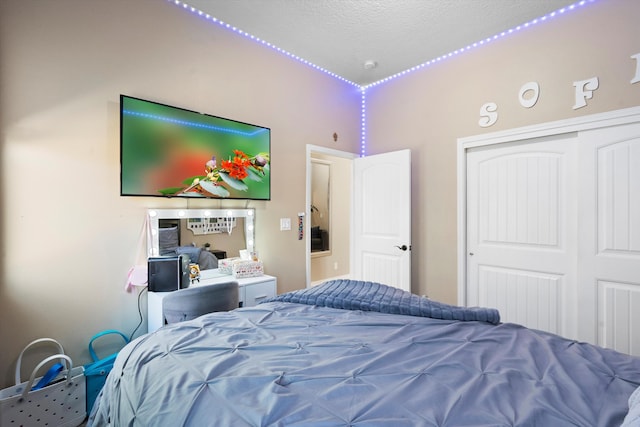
[530, 101]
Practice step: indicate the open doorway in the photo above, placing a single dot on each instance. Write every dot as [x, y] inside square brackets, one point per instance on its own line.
[328, 213]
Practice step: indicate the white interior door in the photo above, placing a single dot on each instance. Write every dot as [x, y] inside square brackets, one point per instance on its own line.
[521, 236]
[609, 260]
[382, 219]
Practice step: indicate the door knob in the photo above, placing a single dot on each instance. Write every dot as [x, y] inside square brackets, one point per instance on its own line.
[402, 248]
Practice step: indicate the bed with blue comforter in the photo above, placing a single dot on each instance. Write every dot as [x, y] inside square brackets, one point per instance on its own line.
[350, 353]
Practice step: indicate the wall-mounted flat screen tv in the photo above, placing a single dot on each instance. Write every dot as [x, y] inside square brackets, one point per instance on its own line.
[173, 152]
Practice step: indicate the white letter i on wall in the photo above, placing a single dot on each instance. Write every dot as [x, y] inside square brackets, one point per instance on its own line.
[636, 79]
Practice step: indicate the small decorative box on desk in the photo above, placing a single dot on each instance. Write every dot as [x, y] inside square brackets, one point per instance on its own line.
[240, 268]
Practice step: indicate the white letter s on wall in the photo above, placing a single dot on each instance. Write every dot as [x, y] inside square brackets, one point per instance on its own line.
[488, 114]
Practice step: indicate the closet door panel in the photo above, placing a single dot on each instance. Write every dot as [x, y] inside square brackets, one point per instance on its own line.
[521, 202]
[609, 260]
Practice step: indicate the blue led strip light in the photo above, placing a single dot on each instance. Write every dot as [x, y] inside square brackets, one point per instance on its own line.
[483, 42]
[363, 123]
[190, 124]
[258, 40]
[363, 88]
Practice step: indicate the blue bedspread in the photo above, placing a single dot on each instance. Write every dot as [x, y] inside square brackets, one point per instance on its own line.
[633, 417]
[370, 296]
[289, 364]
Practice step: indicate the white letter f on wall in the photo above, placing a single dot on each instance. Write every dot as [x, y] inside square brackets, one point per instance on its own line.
[584, 91]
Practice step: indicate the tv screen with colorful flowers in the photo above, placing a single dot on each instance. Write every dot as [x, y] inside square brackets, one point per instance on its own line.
[173, 152]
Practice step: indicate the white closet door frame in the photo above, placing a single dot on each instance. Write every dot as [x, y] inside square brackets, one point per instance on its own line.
[594, 121]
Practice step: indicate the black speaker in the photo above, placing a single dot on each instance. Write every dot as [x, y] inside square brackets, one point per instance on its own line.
[168, 274]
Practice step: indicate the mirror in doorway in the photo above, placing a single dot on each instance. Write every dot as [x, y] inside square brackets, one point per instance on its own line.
[320, 205]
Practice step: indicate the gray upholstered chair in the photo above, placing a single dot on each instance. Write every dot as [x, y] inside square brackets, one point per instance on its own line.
[189, 303]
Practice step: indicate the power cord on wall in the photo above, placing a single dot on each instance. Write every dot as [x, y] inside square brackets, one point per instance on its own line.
[146, 288]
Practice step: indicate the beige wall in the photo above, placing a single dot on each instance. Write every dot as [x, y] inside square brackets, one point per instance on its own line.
[67, 236]
[428, 110]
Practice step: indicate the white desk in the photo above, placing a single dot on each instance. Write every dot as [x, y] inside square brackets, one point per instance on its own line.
[251, 291]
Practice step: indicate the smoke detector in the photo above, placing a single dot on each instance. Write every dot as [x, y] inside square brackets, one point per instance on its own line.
[370, 64]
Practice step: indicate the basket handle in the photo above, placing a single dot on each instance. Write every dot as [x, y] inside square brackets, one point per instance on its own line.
[92, 352]
[67, 374]
[31, 344]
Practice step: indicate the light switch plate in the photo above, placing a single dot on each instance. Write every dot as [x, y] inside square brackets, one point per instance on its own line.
[285, 224]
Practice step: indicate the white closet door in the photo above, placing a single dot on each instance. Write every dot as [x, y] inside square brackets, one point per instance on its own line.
[521, 232]
[609, 259]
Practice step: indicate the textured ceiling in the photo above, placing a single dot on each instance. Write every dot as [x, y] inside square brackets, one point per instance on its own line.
[341, 35]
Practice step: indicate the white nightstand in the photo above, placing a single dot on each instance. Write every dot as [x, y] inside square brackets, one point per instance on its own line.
[251, 290]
